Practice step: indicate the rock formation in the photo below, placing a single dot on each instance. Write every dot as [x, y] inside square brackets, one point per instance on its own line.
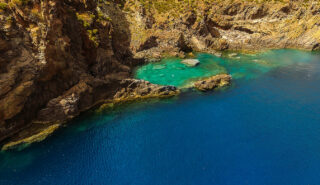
[207, 25]
[191, 62]
[58, 58]
[213, 82]
[139, 89]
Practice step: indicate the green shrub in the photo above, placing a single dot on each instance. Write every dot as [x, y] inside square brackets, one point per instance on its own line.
[3, 6]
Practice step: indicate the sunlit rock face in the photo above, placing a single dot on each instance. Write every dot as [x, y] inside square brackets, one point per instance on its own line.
[58, 58]
[233, 24]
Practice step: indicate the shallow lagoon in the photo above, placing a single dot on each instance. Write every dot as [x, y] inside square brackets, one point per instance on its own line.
[265, 129]
[241, 66]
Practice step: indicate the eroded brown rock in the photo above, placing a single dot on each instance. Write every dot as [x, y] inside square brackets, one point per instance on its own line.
[133, 89]
[213, 82]
[58, 58]
[230, 24]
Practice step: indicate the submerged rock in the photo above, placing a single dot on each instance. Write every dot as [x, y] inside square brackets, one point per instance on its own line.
[213, 82]
[217, 54]
[191, 62]
[32, 138]
[232, 55]
[157, 67]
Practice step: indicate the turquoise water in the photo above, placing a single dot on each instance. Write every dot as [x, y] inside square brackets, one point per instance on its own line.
[241, 66]
[264, 130]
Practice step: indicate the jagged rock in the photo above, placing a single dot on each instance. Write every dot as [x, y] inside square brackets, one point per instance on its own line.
[77, 99]
[230, 24]
[212, 29]
[213, 82]
[190, 18]
[149, 43]
[191, 62]
[139, 89]
[54, 64]
[183, 45]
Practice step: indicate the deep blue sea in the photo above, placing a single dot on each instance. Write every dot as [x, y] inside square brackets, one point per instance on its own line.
[260, 131]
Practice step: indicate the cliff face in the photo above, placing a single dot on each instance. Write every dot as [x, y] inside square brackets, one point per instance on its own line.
[175, 27]
[57, 58]
[61, 57]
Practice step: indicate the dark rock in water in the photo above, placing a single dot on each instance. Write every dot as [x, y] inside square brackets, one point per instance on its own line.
[191, 62]
[213, 82]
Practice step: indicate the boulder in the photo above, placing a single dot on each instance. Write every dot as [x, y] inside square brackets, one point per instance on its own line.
[191, 62]
[232, 55]
[213, 82]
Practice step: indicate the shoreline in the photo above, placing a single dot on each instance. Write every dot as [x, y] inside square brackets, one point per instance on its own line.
[126, 95]
[60, 59]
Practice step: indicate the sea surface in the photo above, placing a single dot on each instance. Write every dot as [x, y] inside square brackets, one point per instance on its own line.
[262, 130]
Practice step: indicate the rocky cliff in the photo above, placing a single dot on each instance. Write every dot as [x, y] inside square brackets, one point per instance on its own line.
[58, 58]
[62, 57]
[176, 27]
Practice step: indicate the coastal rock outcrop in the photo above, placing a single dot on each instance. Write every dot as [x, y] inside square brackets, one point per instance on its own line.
[213, 82]
[80, 98]
[133, 89]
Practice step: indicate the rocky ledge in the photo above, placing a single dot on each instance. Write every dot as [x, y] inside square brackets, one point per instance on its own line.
[213, 82]
[36, 137]
[139, 89]
[62, 109]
